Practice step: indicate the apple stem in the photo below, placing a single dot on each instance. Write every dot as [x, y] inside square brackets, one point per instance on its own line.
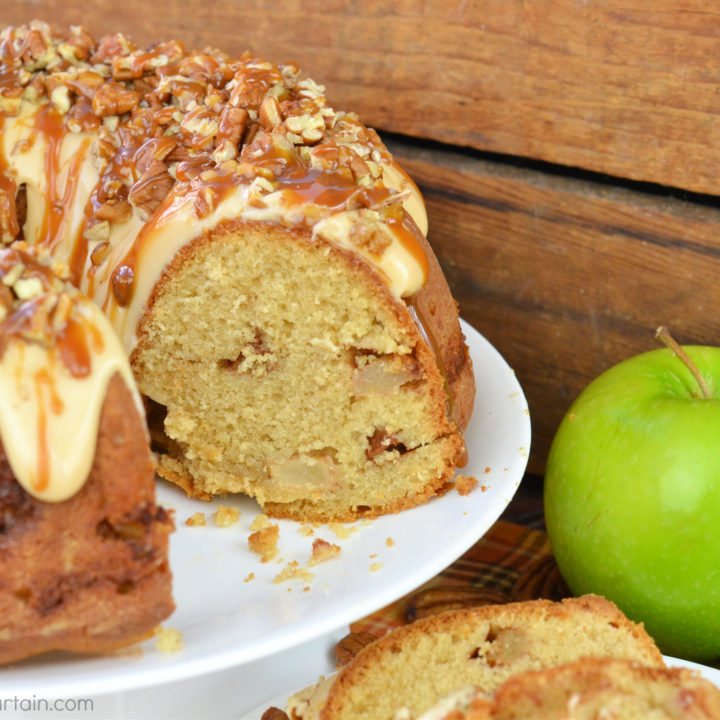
[663, 334]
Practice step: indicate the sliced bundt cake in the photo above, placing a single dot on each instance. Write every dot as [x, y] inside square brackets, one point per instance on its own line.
[262, 257]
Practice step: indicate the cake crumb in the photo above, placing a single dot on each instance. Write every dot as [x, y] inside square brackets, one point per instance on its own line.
[261, 521]
[250, 577]
[342, 532]
[376, 566]
[465, 483]
[322, 551]
[169, 640]
[196, 520]
[226, 516]
[293, 571]
[264, 542]
[306, 530]
[389, 542]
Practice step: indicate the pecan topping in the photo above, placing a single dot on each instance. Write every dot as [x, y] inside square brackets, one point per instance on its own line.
[163, 115]
[111, 98]
[114, 211]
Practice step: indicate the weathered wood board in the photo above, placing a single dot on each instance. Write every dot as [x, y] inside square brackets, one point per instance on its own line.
[566, 277]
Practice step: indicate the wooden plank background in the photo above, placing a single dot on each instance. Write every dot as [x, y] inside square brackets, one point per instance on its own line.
[565, 277]
[624, 87]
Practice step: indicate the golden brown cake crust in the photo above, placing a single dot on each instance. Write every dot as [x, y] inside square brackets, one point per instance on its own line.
[438, 313]
[89, 574]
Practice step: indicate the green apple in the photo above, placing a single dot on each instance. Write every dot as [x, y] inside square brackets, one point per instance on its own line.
[632, 496]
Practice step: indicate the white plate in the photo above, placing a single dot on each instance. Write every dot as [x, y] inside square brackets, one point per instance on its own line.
[280, 700]
[227, 619]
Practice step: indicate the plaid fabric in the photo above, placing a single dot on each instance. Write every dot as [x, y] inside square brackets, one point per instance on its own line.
[510, 562]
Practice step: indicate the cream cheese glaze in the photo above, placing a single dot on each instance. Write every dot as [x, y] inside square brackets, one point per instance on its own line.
[57, 356]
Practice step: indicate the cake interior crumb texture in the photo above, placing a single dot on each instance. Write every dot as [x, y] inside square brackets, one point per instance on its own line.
[289, 372]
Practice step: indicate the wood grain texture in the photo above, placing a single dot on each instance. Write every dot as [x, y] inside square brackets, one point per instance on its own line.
[564, 277]
[625, 87]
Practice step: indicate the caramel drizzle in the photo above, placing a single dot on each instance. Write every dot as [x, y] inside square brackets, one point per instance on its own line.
[44, 382]
[8, 190]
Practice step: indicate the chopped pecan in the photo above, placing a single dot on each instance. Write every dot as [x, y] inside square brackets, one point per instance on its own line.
[114, 211]
[151, 189]
[369, 235]
[232, 124]
[199, 127]
[85, 83]
[203, 67]
[81, 117]
[270, 113]
[152, 151]
[113, 98]
[351, 645]
[100, 253]
[34, 46]
[9, 227]
[146, 84]
[80, 42]
[111, 46]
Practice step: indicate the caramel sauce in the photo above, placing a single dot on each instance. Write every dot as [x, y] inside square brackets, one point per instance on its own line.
[43, 467]
[45, 385]
[74, 348]
[50, 123]
[406, 232]
[9, 188]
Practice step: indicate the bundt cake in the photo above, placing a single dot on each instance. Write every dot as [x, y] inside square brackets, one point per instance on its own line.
[83, 546]
[412, 668]
[593, 689]
[262, 257]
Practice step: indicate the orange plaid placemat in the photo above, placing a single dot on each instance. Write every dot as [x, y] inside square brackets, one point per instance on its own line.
[510, 562]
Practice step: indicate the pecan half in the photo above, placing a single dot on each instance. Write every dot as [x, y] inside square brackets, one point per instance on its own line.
[351, 645]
